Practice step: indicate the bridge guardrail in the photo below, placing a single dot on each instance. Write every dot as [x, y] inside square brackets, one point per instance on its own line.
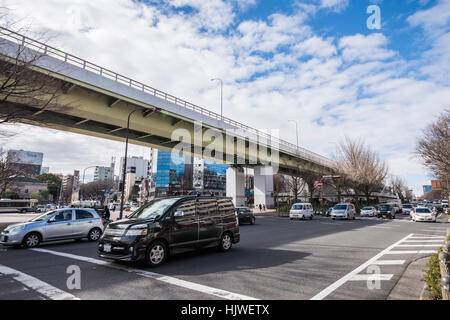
[88, 66]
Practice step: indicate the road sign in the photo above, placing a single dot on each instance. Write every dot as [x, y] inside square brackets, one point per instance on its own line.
[319, 184]
[320, 200]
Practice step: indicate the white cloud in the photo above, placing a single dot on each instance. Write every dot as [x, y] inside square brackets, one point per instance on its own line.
[336, 5]
[365, 48]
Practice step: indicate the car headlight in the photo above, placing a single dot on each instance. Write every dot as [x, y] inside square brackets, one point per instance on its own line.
[138, 230]
[15, 230]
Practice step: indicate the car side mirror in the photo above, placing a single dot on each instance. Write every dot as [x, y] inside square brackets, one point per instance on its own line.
[178, 214]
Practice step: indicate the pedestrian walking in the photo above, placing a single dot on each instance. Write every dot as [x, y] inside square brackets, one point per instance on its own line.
[264, 207]
[260, 207]
[106, 213]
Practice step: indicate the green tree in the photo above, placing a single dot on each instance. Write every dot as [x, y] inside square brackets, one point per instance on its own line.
[53, 183]
[41, 196]
[11, 195]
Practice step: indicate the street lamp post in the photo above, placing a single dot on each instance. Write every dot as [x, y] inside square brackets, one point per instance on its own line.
[122, 198]
[221, 98]
[296, 128]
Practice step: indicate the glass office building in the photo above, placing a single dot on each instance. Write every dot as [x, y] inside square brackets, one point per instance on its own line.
[177, 174]
[174, 174]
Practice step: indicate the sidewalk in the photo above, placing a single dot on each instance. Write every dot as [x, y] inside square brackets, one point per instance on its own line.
[410, 286]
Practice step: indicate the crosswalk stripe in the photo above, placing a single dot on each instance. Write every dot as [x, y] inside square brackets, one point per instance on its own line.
[35, 284]
[388, 262]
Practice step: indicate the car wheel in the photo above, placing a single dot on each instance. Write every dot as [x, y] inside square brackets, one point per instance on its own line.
[23, 211]
[310, 217]
[253, 220]
[32, 240]
[94, 234]
[226, 242]
[156, 254]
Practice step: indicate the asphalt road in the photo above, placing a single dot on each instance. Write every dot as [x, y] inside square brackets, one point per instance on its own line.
[276, 259]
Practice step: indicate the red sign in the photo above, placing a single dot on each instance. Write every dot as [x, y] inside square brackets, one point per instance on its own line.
[319, 184]
[320, 200]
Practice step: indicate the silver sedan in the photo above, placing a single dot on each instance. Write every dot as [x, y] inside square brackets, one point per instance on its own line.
[62, 224]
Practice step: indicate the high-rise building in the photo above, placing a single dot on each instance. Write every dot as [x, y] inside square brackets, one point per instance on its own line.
[104, 173]
[138, 165]
[210, 177]
[28, 162]
[174, 174]
[71, 187]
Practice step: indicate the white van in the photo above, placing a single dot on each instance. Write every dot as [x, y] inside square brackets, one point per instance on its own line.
[301, 211]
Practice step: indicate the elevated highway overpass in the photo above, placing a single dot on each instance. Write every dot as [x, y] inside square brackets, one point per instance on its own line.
[96, 101]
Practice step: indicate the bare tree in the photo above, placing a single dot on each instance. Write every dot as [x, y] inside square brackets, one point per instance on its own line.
[25, 92]
[399, 187]
[95, 189]
[296, 185]
[310, 178]
[9, 171]
[434, 149]
[365, 167]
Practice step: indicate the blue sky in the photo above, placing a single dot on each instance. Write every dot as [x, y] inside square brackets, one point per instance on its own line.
[314, 61]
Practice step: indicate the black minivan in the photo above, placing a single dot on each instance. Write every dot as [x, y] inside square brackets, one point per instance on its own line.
[171, 225]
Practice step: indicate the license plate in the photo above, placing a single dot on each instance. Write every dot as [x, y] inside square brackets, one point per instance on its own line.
[295, 217]
[384, 216]
[107, 248]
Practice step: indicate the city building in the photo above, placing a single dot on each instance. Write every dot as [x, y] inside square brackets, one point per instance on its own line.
[26, 186]
[71, 187]
[28, 162]
[174, 174]
[137, 165]
[210, 177]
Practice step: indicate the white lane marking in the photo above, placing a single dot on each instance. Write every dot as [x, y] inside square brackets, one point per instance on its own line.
[379, 227]
[368, 277]
[35, 284]
[427, 237]
[152, 275]
[410, 251]
[422, 241]
[389, 262]
[420, 245]
[325, 292]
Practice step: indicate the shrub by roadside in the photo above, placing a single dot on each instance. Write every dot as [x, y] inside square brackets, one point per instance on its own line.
[433, 277]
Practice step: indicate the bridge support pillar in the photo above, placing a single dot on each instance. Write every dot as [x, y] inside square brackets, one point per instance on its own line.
[236, 186]
[264, 186]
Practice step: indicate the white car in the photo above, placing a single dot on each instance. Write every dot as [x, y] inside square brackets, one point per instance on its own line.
[408, 209]
[368, 212]
[343, 211]
[301, 211]
[423, 214]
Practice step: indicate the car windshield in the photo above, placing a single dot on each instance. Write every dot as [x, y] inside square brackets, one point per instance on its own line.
[297, 207]
[384, 207]
[423, 210]
[153, 209]
[43, 216]
[340, 207]
[407, 206]
[367, 208]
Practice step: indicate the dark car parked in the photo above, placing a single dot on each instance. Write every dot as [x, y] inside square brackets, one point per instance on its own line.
[171, 225]
[386, 210]
[245, 214]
